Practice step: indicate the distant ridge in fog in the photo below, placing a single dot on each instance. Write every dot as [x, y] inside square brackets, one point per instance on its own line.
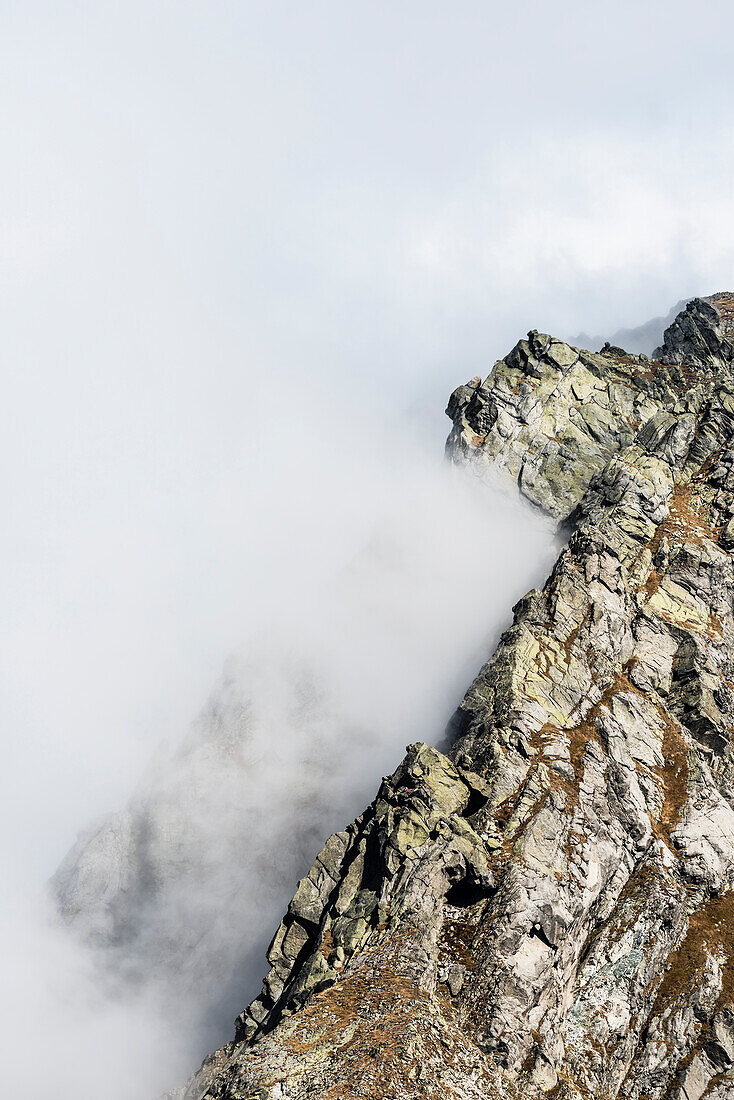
[640, 340]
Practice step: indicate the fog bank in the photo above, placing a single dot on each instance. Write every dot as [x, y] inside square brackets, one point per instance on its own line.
[380, 583]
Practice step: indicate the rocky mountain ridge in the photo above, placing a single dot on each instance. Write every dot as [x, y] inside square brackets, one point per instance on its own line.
[545, 908]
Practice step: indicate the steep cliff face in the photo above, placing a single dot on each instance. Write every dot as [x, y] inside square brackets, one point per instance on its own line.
[546, 908]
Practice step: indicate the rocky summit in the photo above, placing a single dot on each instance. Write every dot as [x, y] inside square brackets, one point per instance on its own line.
[545, 907]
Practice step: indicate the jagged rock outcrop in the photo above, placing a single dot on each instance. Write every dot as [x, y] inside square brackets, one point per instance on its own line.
[701, 334]
[547, 906]
[551, 416]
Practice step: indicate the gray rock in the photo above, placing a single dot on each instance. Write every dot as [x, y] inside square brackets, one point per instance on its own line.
[701, 334]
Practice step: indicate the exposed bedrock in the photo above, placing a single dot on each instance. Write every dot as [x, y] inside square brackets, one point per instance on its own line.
[546, 908]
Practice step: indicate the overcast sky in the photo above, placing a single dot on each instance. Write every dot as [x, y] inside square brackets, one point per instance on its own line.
[227, 228]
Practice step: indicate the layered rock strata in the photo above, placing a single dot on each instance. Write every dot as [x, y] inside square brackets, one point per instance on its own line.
[546, 908]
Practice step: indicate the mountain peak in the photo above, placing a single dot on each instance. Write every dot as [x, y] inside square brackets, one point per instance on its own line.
[702, 334]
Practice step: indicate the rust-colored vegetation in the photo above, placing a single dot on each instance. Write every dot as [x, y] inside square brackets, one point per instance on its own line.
[457, 942]
[685, 521]
[673, 775]
[710, 932]
[386, 1032]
